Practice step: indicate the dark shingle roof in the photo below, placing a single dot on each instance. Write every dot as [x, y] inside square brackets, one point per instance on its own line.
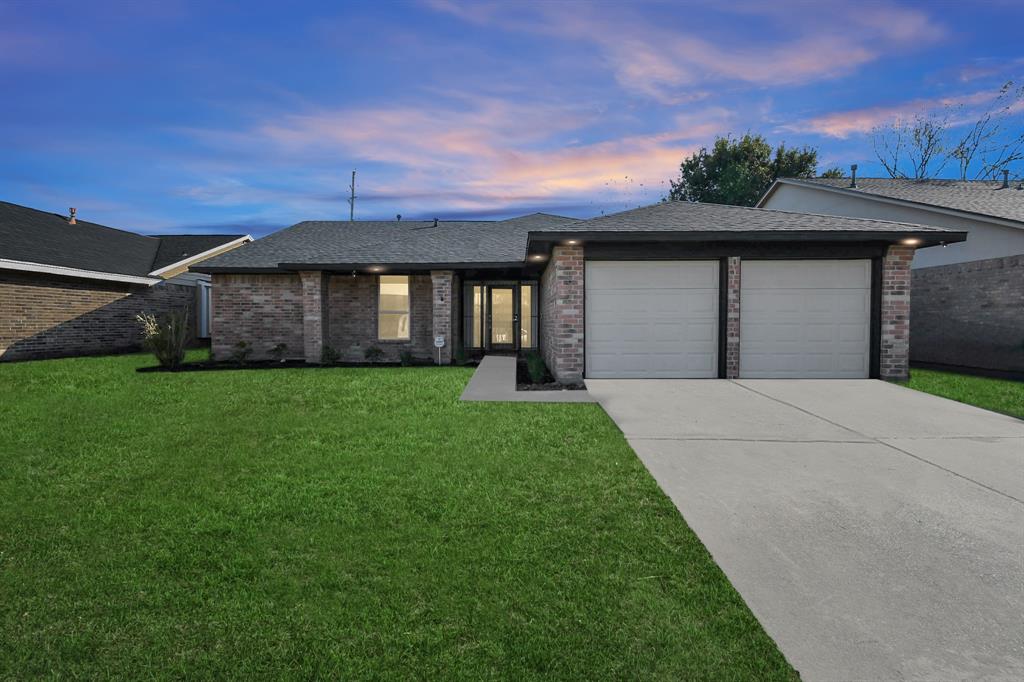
[178, 247]
[982, 197]
[34, 236]
[506, 241]
[372, 241]
[684, 216]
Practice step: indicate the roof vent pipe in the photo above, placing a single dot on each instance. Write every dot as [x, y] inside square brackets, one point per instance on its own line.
[853, 176]
[399, 217]
[1006, 178]
[71, 218]
[435, 222]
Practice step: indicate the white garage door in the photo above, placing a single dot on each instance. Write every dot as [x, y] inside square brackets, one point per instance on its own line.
[805, 319]
[651, 319]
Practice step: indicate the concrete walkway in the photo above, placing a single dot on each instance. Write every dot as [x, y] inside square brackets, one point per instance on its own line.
[876, 532]
[495, 381]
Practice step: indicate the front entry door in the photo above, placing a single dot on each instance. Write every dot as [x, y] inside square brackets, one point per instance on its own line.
[503, 320]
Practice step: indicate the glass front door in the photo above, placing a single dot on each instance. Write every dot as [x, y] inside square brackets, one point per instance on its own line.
[503, 318]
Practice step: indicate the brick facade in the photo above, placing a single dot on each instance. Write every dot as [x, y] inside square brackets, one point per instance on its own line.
[561, 313]
[266, 310]
[262, 310]
[969, 314]
[315, 321]
[443, 295]
[43, 316]
[894, 364]
[732, 319]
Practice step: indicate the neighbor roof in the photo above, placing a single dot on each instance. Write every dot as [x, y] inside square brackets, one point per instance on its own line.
[506, 242]
[366, 242]
[33, 236]
[978, 197]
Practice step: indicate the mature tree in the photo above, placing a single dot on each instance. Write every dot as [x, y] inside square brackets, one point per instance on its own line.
[833, 172]
[739, 171]
[922, 146]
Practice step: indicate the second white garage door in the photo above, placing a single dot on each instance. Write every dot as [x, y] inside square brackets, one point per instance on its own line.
[805, 319]
[654, 319]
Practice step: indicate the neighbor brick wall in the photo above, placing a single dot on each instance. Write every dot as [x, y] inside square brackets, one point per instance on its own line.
[732, 320]
[352, 309]
[262, 310]
[895, 315]
[970, 314]
[561, 313]
[43, 316]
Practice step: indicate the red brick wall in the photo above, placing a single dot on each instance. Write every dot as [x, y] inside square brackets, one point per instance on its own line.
[894, 362]
[42, 316]
[969, 314]
[263, 310]
[561, 313]
[352, 311]
[732, 320]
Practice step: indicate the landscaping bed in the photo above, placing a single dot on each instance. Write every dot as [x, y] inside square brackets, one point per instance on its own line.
[541, 379]
[213, 365]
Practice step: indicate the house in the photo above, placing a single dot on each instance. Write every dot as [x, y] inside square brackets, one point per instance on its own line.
[670, 290]
[968, 298]
[72, 287]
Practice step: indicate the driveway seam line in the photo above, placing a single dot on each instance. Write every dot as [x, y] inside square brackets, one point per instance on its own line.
[880, 442]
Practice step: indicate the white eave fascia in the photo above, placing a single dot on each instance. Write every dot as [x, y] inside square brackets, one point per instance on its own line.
[201, 256]
[995, 220]
[27, 266]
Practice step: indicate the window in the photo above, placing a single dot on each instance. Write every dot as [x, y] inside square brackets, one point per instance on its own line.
[393, 308]
[527, 317]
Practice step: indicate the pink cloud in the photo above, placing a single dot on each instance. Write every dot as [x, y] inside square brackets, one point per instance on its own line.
[662, 62]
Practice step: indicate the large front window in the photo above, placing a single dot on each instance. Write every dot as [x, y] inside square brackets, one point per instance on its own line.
[393, 308]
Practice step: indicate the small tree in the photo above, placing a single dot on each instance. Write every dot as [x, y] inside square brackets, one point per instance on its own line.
[834, 172]
[739, 171]
[165, 337]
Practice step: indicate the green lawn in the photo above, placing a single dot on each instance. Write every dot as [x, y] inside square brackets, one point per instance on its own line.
[999, 395]
[344, 523]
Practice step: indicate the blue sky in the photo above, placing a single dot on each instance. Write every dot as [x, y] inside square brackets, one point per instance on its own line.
[229, 117]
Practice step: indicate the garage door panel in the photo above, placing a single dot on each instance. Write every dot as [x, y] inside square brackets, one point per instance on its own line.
[653, 319]
[805, 319]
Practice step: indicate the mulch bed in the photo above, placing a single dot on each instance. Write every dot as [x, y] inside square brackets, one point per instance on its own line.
[214, 366]
[525, 383]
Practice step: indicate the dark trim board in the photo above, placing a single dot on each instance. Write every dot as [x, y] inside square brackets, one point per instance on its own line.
[723, 315]
[710, 250]
[875, 328]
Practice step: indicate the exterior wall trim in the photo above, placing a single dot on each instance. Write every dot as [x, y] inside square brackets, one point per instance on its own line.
[185, 262]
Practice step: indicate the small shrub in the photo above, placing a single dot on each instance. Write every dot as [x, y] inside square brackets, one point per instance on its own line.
[278, 352]
[240, 352]
[329, 356]
[536, 367]
[460, 356]
[405, 357]
[165, 338]
[373, 354]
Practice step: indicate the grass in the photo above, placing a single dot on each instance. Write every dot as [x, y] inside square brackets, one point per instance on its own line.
[344, 523]
[998, 395]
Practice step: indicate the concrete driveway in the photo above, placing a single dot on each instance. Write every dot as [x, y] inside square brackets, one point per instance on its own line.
[876, 532]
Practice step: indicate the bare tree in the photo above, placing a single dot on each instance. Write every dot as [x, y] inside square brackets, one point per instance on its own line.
[921, 147]
[986, 140]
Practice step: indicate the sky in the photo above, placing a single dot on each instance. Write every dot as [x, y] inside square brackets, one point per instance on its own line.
[220, 117]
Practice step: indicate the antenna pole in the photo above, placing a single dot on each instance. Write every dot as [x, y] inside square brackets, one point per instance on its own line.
[352, 199]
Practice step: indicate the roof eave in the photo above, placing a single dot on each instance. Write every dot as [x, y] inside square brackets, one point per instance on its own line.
[927, 237]
[244, 239]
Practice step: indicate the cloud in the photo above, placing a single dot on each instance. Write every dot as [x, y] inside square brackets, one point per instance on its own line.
[461, 154]
[844, 124]
[659, 61]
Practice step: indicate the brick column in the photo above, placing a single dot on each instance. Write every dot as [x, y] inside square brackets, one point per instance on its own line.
[561, 313]
[732, 319]
[895, 342]
[314, 313]
[443, 285]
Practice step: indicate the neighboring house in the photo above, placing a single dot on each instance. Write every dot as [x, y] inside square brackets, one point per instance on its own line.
[670, 290]
[968, 298]
[71, 287]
